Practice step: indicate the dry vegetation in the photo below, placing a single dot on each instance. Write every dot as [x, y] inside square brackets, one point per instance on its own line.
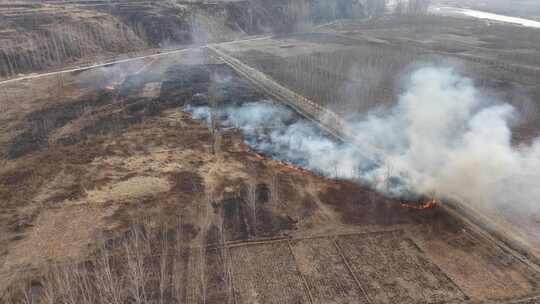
[354, 67]
[306, 73]
[155, 207]
[44, 35]
[118, 196]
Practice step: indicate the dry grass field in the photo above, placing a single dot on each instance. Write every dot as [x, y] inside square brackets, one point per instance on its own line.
[127, 199]
[112, 192]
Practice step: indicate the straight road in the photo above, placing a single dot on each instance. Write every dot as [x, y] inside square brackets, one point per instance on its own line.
[167, 53]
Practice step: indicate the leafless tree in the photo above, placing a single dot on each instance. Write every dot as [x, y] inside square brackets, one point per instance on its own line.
[375, 8]
[84, 286]
[66, 284]
[26, 292]
[177, 262]
[135, 252]
[345, 80]
[418, 7]
[109, 285]
[116, 274]
[4, 100]
[214, 119]
[49, 287]
[400, 8]
[274, 189]
[389, 172]
[251, 198]
[204, 212]
[163, 263]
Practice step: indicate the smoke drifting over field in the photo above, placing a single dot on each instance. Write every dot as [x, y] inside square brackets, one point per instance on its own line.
[275, 130]
[441, 137]
[452, 141]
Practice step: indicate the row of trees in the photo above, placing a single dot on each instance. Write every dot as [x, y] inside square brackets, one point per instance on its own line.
[377, 8]
[148, 266]
[290, 15]
[54, 46]
[354, 80]
[158, 260]
[419, 6]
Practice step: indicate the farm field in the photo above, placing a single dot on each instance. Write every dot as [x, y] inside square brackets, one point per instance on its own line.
[239, 152]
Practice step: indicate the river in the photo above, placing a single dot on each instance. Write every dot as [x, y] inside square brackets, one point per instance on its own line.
[485, 15]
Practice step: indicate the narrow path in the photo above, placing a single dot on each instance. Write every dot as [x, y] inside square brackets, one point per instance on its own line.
[171, 52]
[323, 117]
[338, 127]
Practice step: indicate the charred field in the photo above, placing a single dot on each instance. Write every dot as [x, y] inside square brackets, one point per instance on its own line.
[122, 188]
[189, 177]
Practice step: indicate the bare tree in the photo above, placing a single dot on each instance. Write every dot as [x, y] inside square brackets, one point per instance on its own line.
[84, 285]
[388, 175]
[109, 285]
[214, 119]
[400, 8]
[163, 263]
[375, 8]
[205, 225]
[252, 202]
[26, 291]
[66, 284]
[50, 287]
[135, 251]
[418, 7]
[5, 100]
[274, 188]
[177, 262]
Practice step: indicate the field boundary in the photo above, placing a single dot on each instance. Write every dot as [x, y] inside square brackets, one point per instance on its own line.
[336, 126]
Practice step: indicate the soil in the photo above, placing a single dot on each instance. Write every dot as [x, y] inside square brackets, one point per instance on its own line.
[119, 168]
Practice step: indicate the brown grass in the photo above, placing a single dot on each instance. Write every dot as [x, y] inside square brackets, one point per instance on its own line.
[135, 268]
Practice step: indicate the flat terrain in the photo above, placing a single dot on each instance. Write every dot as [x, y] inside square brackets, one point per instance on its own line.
[331, 68]
[46, 35]
[340, 56]
[107, 182]
[86, 167]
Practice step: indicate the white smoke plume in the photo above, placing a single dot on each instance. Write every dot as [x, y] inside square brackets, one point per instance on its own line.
[277, 131]
[442, 137]
[451, 140]
[446, 138]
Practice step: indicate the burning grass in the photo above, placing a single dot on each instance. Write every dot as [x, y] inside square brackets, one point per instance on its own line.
[421, 204]
[197, 193]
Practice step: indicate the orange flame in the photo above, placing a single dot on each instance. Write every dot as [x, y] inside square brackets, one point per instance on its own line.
[285, 166]
[290, 167]
[423, 206]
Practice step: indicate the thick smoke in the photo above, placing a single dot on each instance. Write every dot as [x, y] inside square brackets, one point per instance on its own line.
[442, 137]
[277, 131]
[452, 141]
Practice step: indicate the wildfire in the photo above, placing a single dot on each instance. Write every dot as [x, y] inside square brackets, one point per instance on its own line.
[290, 167]
[285, 166]
[422, 206]
[110, 88]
